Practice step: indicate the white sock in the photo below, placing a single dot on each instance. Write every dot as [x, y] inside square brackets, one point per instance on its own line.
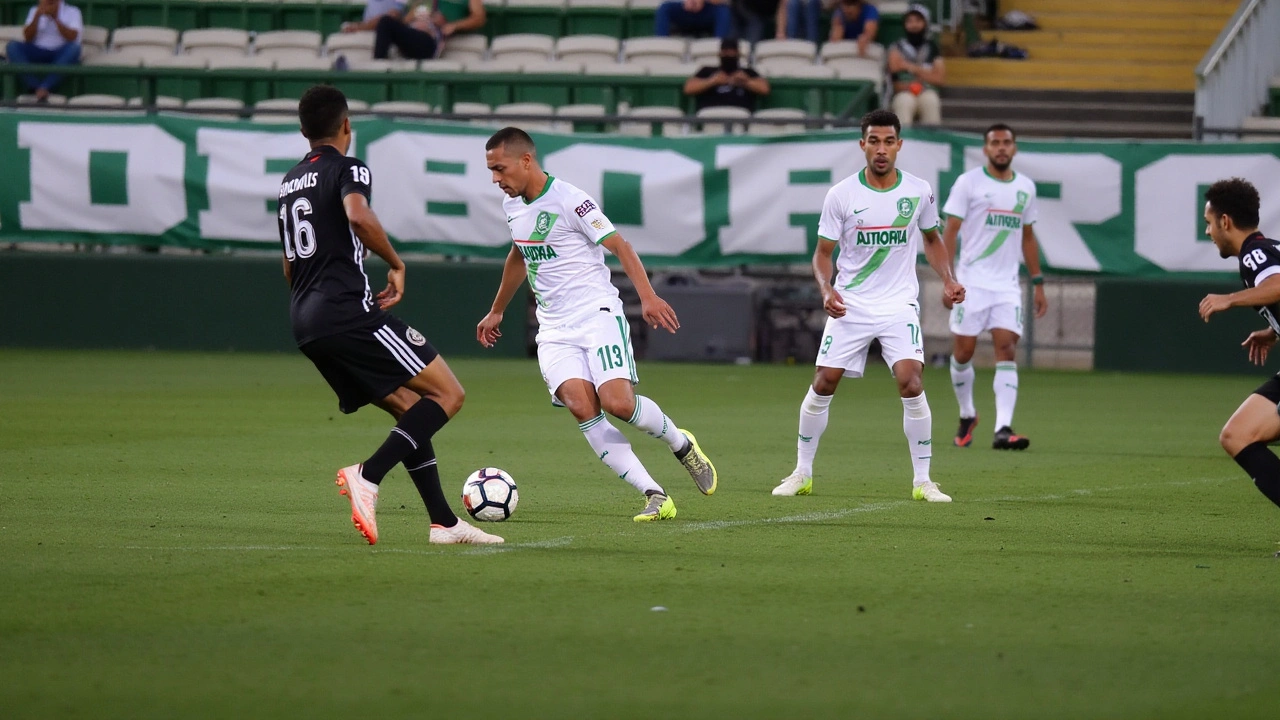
[917, 423]
[813, 422]
[650, 418]
[962, 376]
[611, 446]
[1006, 387]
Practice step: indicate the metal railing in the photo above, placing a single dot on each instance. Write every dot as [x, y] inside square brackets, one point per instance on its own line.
[1233, 76]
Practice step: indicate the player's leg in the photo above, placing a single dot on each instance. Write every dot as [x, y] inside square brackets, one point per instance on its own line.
[903, 349]
[1246, 435]
[1006, 327]
[962, 378]
[841, 351]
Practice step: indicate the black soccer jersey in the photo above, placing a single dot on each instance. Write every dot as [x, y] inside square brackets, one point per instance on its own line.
[330, 292]
[1259, 260]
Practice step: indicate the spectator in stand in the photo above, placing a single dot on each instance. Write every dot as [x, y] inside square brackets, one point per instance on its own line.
[373, 12]
[729, 83]
[51, 36]
[916, 66]
[855, 20]
[694, 16]
[751, 18]
[421, 32]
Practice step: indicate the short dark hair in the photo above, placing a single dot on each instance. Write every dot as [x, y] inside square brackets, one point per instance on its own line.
[321, 112]
[1236, 198]
[730, 43]
[515, 139]
[997, 127]
[881, 118]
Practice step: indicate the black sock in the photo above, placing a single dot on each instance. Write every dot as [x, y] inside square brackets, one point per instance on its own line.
[1264, 467]
[415, 428]
[421, 465]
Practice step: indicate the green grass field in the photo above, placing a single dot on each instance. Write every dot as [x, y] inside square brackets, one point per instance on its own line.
[172, 546]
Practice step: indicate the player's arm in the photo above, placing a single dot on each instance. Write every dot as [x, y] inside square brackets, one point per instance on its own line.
[513, 275]
[369, 230]
[950, 233]
[288, 271]
[935, 251]
[1031, 257]
[654, 309]
[474, 20]
[1266, 292]
[823, 270]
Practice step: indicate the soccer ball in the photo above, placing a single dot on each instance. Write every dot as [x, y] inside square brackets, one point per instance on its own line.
[490, 494]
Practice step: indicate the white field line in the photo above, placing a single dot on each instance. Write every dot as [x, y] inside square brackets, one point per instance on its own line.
[567, 540]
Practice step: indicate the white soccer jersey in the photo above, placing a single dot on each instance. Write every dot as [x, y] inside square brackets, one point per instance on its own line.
[559, 234]
[879, 236]
[993, 213]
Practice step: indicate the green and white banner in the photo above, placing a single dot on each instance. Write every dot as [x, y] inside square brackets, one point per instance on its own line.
[1126, 208]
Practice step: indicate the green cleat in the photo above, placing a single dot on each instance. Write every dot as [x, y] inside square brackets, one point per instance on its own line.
[794, 484]
[931, 492]
[657, 507]
[699, 465]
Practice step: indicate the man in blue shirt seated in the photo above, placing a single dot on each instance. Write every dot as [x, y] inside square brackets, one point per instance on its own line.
[51, 36]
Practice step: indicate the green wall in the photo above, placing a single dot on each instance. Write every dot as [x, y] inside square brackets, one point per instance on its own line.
[1146, 325]
[78, 300]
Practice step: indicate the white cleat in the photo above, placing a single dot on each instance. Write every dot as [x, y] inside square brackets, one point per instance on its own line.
[364, 501]
[931, 492]
[794, 484]
[462, 534]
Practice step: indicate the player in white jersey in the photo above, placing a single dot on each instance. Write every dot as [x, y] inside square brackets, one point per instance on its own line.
[584, 340]
[993, 210]
[877, 218]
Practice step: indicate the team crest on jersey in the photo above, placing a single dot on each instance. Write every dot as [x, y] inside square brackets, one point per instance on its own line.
[415, 337]
[543, 223]
[597, 224]
[1023, 198]
[906, 207]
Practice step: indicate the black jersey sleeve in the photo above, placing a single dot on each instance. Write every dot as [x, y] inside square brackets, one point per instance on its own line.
[1259, 259]
[356, 178]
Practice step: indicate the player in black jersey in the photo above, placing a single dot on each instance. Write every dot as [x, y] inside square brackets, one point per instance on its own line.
[1232, 215]
[366, 354]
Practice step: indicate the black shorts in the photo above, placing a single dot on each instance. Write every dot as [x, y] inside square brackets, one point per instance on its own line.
[370, 362]
[1270, 389]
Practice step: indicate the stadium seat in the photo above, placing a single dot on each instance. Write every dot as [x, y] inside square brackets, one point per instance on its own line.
[603, 17]
[849, 49]
[51, 99]
[588, 49]
[232, 106]
[11, 32]
[269, 44]
[644, 49]
[215, 42]
[857, 69]
[670, 118]
[368, 64]
[161, 101]
[617, 70]
[553, 67]
[440, 66]
[474, 108]
[401, 106]
[549, 88]
[578, 118]
[640, 15]
[1271, 124]
[242, 88]
[466, 48]
[144, 41]
[356, 44]
[706, 51]
[528, 108]
[800, 50]
[810, 72]
[93, 41]
[96, 99]
[288, 61]
[522, 48]
[278, 105]
[117, 60]
[502, 65]
[777, 114]
[721, 114]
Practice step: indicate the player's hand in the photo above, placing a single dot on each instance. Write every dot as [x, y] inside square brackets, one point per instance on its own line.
[395, 288]
[1041, 302]
[487, 332]
[953, 291]
[946, 300]
[833, 303]
[1213, 304]
[1259, 344]
[659, 314]
[720, 78]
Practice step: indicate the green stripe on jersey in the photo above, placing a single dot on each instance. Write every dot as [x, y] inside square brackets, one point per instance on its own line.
[1003, 234]
[907, 207]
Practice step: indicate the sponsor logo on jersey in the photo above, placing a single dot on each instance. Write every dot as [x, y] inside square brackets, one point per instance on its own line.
[309, 180]
[585, 208]
[888, 236]
[1001, 220]
[415, 337]
[538, 253]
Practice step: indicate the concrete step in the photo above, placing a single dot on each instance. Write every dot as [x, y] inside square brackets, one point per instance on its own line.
[1113, 53]
[1114, 36]
[1137, 24]
[987, 72]
[1207, 9]
[1063, 129]
[1016, 110]
[1144, 99]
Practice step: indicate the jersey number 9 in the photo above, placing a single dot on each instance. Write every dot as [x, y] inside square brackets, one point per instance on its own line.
[301, 242]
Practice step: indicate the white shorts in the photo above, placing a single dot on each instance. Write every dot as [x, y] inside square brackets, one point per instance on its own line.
[845, 340]
[987, 310]
[597, 348]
